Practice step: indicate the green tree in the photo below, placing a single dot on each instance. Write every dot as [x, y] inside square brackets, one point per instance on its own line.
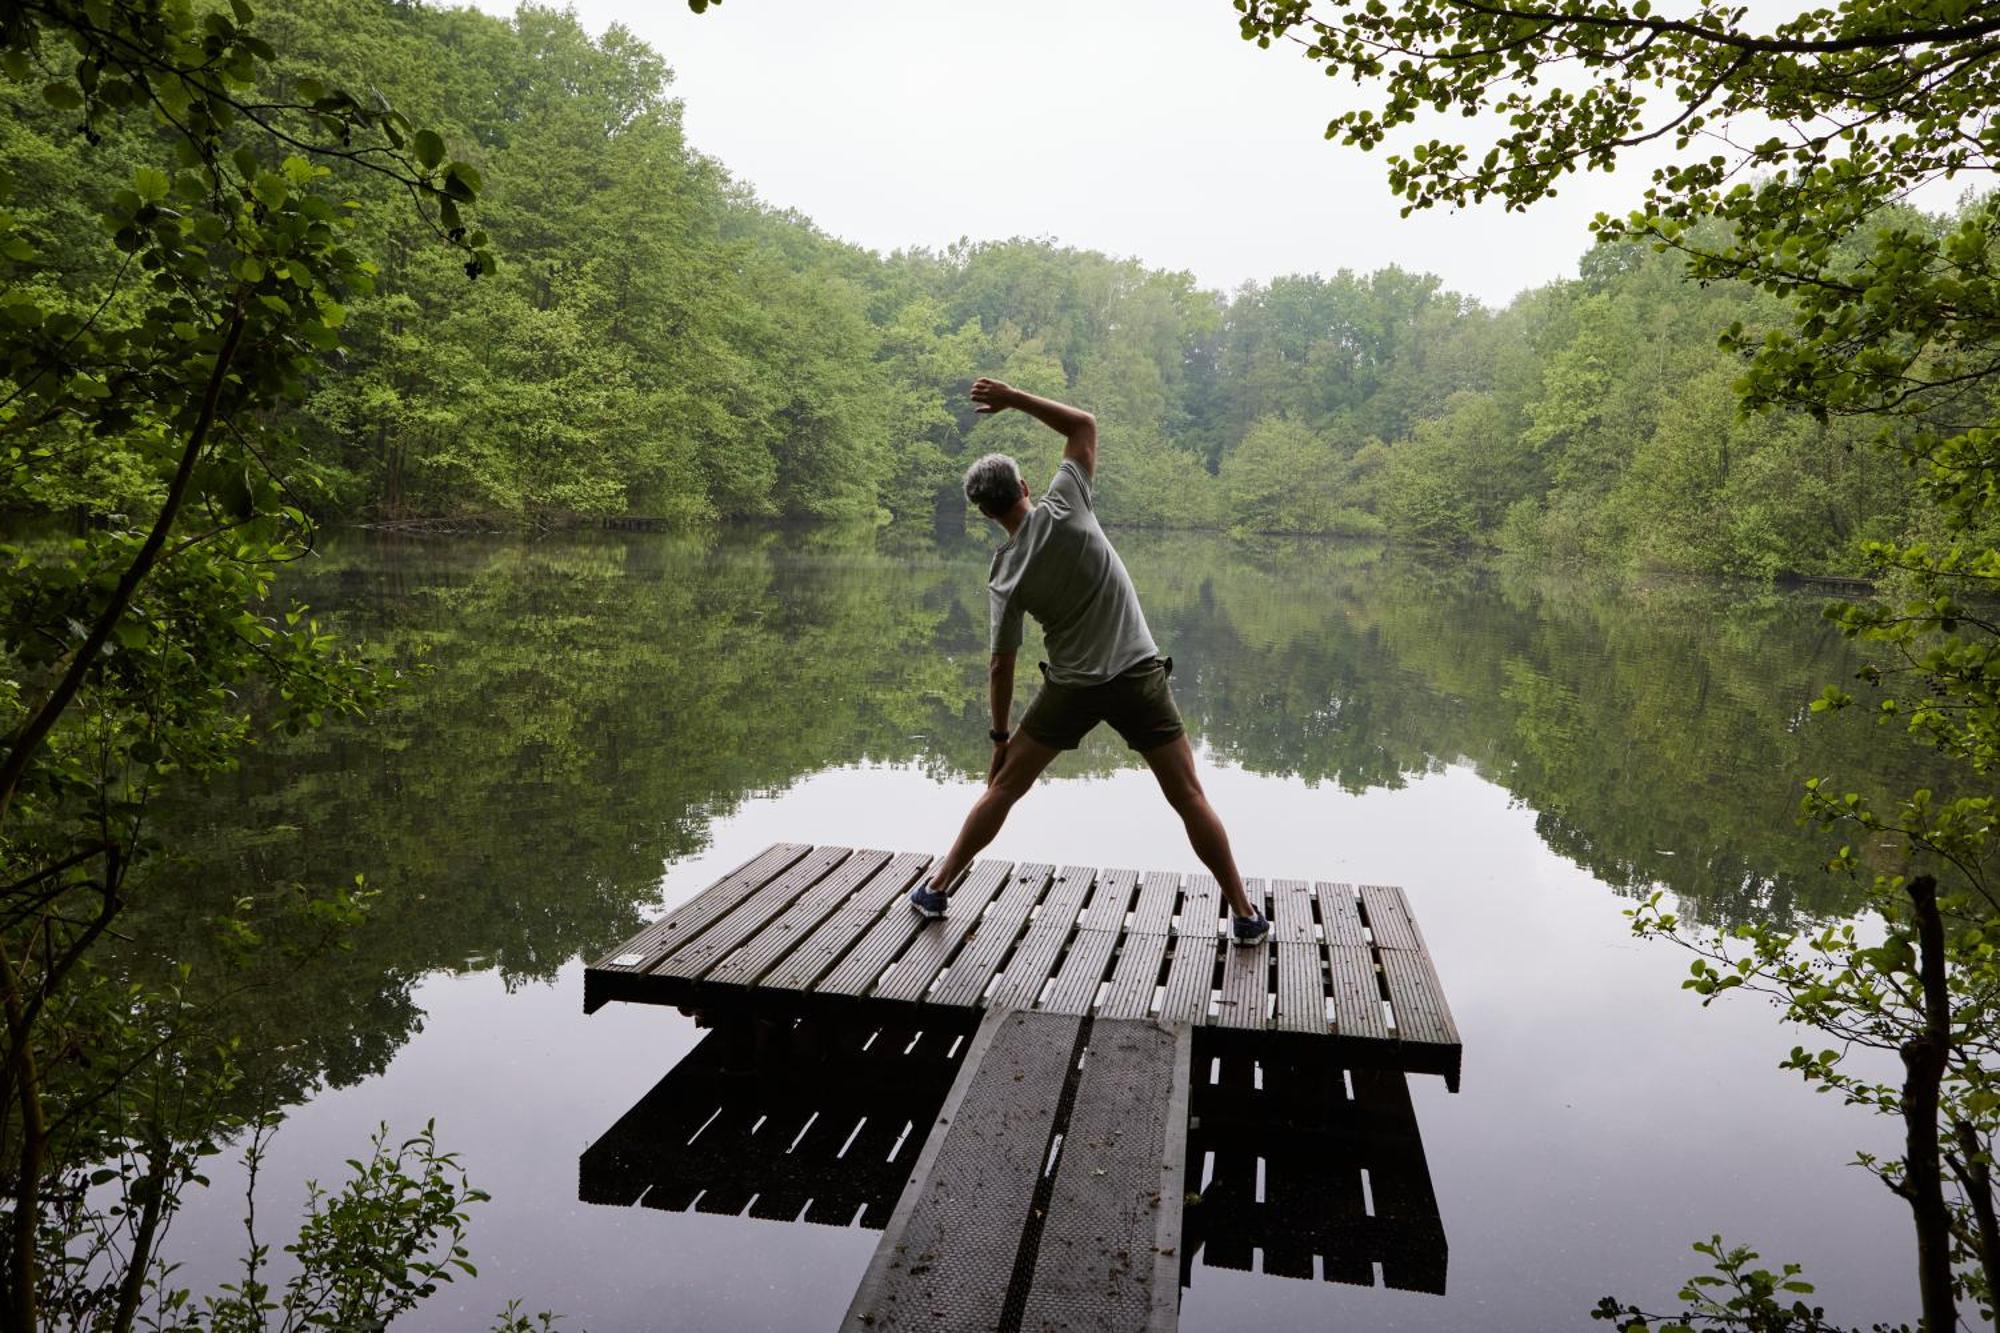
[154, 349]
[1883, 317]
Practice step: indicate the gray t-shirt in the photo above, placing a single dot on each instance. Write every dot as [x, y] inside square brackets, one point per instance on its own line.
[1060, 568]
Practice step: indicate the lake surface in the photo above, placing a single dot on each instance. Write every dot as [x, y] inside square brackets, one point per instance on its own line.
[604, 725]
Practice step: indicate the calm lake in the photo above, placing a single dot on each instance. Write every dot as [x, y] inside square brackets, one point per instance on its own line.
[607, 724]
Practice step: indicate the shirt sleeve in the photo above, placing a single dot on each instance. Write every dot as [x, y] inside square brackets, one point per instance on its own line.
[1071, 489]
[1006, 623]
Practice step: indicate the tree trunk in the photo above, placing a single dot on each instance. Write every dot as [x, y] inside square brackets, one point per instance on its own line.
[1976, 1174]
[151, 1209]
[24, 1269]
[1923, 1071]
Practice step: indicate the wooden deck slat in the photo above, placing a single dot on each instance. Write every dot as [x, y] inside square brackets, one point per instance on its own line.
[634, 954]
[1417, 999]
[1109, 901]
[1301, 993]
[1155, 912]
[1357, 999]
[945, 1259]
[691, 957]
[937, 941]
[770, 945]
[1136, 977]
[1340, 915]
[1389, 918]
[1291, 911]
[839, 933]
[893, 932]
[1245, 977]
[1108, 1256]
[965, 981]
[1190, 979]
[1082, 972]
[1201, 906]
[1022, 978]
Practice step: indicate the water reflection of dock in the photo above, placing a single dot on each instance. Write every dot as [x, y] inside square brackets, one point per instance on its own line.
[1056, 1101]
[810, 1121]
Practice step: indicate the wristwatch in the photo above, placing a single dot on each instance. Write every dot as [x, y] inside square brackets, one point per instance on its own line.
[1001, 737]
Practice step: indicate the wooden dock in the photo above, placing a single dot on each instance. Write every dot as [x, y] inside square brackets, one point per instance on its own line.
[1069, 1085]
[826, 926]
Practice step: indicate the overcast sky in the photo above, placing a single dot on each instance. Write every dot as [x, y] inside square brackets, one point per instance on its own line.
[1139, 127]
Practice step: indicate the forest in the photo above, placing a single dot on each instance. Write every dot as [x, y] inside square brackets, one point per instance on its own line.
[659, 344]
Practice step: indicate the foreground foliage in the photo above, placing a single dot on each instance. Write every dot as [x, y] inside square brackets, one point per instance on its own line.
[156, 345]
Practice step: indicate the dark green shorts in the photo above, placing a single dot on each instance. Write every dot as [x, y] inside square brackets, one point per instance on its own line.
[1137, 704]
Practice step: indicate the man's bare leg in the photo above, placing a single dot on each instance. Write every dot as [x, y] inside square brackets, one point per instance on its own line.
[1173, 765]
[1025, 759]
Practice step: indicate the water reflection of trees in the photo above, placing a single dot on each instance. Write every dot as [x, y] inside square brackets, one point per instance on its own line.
[590, 706]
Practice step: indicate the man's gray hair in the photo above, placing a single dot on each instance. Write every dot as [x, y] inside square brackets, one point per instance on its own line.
[994, 484]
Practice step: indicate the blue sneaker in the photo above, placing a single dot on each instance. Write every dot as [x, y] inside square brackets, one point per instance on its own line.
[1249, 929]
[927, 902]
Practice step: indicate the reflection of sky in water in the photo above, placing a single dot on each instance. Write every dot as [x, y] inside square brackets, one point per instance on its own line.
[1607, 1120]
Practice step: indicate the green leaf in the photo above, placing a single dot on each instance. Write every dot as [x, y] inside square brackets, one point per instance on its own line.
[270, 189]
[462, 180]
[151, 183]
[62, 96]
[429, 148]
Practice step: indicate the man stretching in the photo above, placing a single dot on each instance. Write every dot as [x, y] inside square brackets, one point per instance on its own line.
[1103, 666]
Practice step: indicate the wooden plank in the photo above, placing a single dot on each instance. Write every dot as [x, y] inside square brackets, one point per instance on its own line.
[1417, 999]
[1301, 989]
[634, 954]
[1082, 972]
[1155, 913]
[1108, 1256]
[1340, 915]
[692, 956]
[965, 981]
[856, 974]
[837, 935]
[1109, 901]
[1389, 918]
[1258, 891]
[1190, 979]
[1357, 1000]
[938, 940]
[1291, 911]
[1201, 906]
[1041, 943]
[770, 945]
[1136, 977]
[955, 1238]
[1245, 977]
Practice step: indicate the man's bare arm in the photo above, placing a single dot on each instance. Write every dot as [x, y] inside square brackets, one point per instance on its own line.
[1000, 697]
[1077, 427]
[1000, 689]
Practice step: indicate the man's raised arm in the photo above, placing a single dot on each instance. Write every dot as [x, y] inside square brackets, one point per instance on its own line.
[1078, 427]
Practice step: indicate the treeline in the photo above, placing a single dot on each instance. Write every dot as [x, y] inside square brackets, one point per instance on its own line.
[658, 343]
